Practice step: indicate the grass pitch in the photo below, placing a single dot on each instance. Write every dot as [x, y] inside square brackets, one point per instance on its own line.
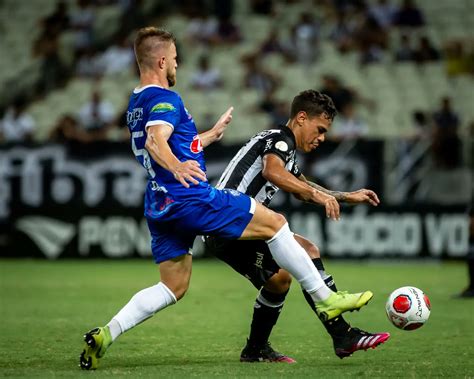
[47, 306]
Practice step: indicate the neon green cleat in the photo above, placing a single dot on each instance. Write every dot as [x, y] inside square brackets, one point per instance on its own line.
[340, 302]
[97, 341]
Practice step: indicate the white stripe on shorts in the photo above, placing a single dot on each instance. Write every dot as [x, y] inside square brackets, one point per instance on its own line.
[253, 205]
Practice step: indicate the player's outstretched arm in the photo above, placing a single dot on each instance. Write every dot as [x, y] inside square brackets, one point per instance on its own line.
[217, 131]
[361, 196]
[159, 149]
[275, 172]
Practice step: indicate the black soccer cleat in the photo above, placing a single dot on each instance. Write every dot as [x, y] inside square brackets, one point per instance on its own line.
[356, 339]
[263, 353]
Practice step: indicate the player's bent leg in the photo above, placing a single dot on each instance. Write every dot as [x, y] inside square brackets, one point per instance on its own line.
[289, 254]
[285, 250]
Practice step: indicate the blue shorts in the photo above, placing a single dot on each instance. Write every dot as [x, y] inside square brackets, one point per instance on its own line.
[226, 214]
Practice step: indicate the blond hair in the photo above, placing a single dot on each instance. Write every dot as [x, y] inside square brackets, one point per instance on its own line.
[147, 42]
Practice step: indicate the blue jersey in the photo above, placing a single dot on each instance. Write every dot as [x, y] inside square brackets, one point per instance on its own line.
[176, 214]
[153, 105]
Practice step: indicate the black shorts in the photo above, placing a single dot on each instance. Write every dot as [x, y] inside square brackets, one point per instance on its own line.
[250, 258]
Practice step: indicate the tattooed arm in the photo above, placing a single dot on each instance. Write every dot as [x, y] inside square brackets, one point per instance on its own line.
[340, 196]
[360, 196]
[274, 171]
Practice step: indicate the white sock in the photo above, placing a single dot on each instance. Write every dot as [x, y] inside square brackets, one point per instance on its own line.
[289, 254]
[114, 329]
[141, 306]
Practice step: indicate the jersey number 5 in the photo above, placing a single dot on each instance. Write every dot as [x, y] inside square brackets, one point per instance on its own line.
[145, 161]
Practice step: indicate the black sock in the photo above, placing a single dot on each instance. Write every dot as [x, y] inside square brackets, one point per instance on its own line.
[337, 326]
[318, 263]
[267, 308]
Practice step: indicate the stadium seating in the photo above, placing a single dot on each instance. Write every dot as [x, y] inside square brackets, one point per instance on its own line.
[397, 88]
[19, 70]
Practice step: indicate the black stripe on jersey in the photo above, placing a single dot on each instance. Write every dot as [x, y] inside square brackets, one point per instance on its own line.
[256, 185]
[242, 167]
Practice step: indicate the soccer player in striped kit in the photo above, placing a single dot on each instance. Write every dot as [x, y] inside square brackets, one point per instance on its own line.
[265, 164]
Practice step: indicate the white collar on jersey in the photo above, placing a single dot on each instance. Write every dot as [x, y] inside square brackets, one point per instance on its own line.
[140, 89]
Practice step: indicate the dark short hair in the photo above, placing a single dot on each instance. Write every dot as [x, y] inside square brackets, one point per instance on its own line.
[314, 103]
[147, 40]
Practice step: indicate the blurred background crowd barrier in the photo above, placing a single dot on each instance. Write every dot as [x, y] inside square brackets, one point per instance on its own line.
[401, 74]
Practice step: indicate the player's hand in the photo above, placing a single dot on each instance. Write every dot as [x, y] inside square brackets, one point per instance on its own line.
[187, 172]
[222, 123]
[363, 196]
[329, 202]
[332, 208]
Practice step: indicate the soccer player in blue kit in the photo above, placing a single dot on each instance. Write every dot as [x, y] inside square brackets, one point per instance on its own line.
[180, 204]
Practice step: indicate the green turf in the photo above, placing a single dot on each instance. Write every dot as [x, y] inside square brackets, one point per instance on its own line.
[47, 306]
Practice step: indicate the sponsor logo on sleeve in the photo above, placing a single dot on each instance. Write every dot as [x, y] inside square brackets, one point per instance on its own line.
[162, 108]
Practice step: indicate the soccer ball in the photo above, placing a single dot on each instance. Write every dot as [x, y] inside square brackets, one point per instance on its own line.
[408, 308]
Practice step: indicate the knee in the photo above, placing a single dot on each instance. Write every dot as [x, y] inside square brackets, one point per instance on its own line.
[280, 220]
[277, 222]
[273, 223]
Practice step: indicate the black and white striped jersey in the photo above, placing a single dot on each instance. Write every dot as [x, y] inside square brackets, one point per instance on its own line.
[244, 172]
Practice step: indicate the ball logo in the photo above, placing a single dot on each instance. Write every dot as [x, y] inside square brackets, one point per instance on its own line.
[402, 303]
[196, 145]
